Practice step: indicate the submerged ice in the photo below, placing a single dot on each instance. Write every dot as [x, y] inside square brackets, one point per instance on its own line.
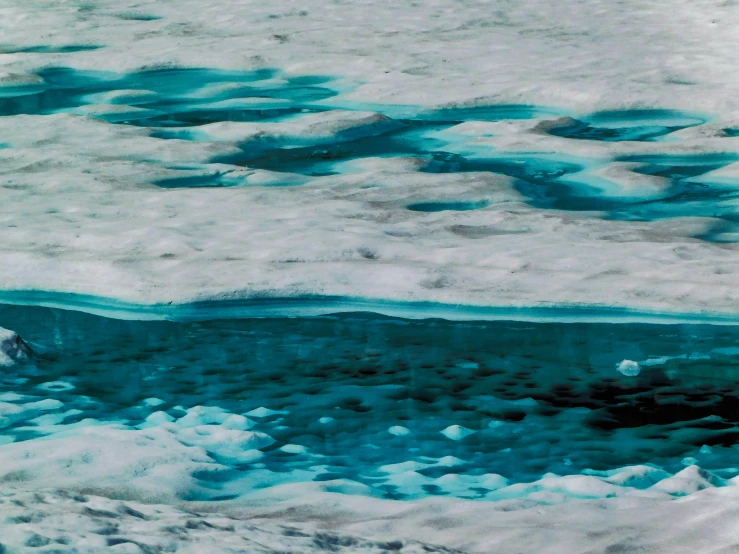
[367, 405]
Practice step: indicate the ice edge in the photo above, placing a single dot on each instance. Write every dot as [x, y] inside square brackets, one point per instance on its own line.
[319, 305]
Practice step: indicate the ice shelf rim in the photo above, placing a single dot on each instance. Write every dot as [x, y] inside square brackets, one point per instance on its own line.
[249, 307]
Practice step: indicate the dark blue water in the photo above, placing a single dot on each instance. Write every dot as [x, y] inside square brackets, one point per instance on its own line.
[537, 397]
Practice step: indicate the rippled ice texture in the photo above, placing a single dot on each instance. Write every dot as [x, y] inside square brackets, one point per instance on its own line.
[381, 407]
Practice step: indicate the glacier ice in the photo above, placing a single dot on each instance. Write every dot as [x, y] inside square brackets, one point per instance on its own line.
[629, 368]
[447, 159]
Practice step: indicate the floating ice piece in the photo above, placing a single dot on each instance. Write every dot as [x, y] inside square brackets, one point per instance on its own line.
[44, 405]
[157, 418]
[12, 348]
[325, 420]
[689, 461]
[293, 449]
[457, 432]
[450, 461]
[399, 431]
[12, 397]
[265, 412]
[403, 467]
[203, 415]
[705, 449]
[153, 402]
[238, 422]
[629, 368]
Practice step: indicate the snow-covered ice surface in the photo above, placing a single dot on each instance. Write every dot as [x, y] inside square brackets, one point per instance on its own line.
[573, 166]
[457, 152]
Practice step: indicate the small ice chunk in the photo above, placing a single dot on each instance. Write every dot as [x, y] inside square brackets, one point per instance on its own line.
[265, 412]
[689, 461]
[705, 449]
[402, 467]
[12, 397]
[399, 431]
[203, 415]
[450, 461]
[324, 420]
[246, 457]
[238, 422]
[157, 418]
[12, 348]
[629, 368]
[45, 405]
[457, 432]
[153, 402]
[495, 424]
[294, 449]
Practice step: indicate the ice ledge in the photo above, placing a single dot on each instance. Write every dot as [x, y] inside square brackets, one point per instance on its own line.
[317, 305]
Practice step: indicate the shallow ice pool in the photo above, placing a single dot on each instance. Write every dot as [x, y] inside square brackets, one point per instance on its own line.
[394, 408]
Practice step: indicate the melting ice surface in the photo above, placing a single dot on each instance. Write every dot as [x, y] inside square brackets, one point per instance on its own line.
[387, 407]
[206, 105]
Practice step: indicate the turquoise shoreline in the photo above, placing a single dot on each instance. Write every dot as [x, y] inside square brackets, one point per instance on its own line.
[316, 305]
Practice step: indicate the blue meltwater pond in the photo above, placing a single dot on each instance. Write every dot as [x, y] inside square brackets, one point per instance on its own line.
[395, 408]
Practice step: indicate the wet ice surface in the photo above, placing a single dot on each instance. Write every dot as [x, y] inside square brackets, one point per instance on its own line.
[366, 405]
[468, 204]
[300, 135]
[407, 156]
